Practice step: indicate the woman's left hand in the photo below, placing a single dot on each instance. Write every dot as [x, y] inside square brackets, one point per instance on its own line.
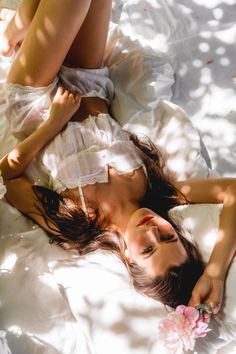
[208, 290]
[64, 106]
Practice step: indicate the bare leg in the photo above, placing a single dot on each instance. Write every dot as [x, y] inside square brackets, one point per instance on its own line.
[52, 31]
[87, 50]
[17, 28]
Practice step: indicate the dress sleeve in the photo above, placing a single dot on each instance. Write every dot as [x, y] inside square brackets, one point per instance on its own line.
[2, 187]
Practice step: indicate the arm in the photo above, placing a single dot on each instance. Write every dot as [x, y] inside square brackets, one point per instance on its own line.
[210, 286]
[19, 190]
[64, 105]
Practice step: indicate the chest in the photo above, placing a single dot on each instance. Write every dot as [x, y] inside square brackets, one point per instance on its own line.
[119, 189]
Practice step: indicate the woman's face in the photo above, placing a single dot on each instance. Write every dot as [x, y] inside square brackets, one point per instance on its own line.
[153, 243]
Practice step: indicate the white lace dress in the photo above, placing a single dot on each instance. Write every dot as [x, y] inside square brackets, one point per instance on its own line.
[81, 153]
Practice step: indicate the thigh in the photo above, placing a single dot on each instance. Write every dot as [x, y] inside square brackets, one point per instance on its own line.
[87, 50]
[53, 29]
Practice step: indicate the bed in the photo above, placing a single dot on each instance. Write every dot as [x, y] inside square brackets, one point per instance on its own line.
[162, 55]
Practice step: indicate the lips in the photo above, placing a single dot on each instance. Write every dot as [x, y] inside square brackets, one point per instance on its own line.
[144, 220]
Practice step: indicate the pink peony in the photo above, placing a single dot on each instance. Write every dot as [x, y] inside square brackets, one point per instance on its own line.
[179, 330]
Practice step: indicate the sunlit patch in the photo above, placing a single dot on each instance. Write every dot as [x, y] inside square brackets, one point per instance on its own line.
[28, 80]
[204, 47]
[41, 36]
[225, 61]
[218, 13]
[199, 92]
[220, 50]
[213, 23]
[46, 279]
[206, 77]
[18, 23]
[214, 269]
[197, 63]
[50, 28]
[9, 263]
[211, 4]
[230, 200]
[15, 330]
[227, 36]
[189, 222]
[183, 69]
[206, 34]
[22, 60]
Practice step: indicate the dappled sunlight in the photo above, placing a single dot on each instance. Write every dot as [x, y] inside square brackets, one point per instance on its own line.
[137, 15]
[45, 279]
[211, 4]
[49, 27]
[19, 23]
[200, 45]
[220, 50]
[204, 47]
[8, 263]
[122, 320]
[15, 330]
[214, 270]
[22, 60]
[227, 36]
[42, 36]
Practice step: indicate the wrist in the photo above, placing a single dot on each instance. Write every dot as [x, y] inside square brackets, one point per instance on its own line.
[215, 270]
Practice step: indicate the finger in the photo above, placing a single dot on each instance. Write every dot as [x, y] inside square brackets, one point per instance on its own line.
[206, 317]
[60, 91]
[66, 93]
[215, 306]
[71, 96]
[194, 300]
[77, 97]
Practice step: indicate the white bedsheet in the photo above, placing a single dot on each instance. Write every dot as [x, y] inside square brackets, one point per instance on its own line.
[94, 309]
[199, 37]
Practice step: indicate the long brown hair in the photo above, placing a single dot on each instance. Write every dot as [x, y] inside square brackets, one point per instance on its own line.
[175, 286]
[71, 228]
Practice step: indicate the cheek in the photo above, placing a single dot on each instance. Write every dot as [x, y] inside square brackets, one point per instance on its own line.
[135, 241]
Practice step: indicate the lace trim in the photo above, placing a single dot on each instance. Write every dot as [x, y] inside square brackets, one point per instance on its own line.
[92, 179]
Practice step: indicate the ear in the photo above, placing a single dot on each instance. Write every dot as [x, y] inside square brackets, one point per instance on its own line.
[128, 256]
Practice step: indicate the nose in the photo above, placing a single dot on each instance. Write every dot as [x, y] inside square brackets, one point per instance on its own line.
[155, 233]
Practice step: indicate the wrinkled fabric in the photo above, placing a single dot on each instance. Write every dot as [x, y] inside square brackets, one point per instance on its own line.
[4, 349]
[28, 107]
[80, 155]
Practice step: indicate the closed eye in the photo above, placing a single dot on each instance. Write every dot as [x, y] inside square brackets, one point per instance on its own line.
[148, 251]
[168, 238]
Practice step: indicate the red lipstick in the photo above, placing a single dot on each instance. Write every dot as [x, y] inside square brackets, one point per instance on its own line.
[145, 219]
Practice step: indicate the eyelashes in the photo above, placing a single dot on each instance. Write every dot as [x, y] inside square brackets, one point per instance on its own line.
[148, 250]
[164, 238]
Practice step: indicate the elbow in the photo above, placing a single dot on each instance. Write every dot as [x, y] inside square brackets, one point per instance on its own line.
[12, 166]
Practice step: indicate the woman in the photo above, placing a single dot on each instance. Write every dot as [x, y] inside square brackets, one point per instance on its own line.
[108, 189]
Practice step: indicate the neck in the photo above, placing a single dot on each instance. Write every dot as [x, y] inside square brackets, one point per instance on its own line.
[120, 216]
